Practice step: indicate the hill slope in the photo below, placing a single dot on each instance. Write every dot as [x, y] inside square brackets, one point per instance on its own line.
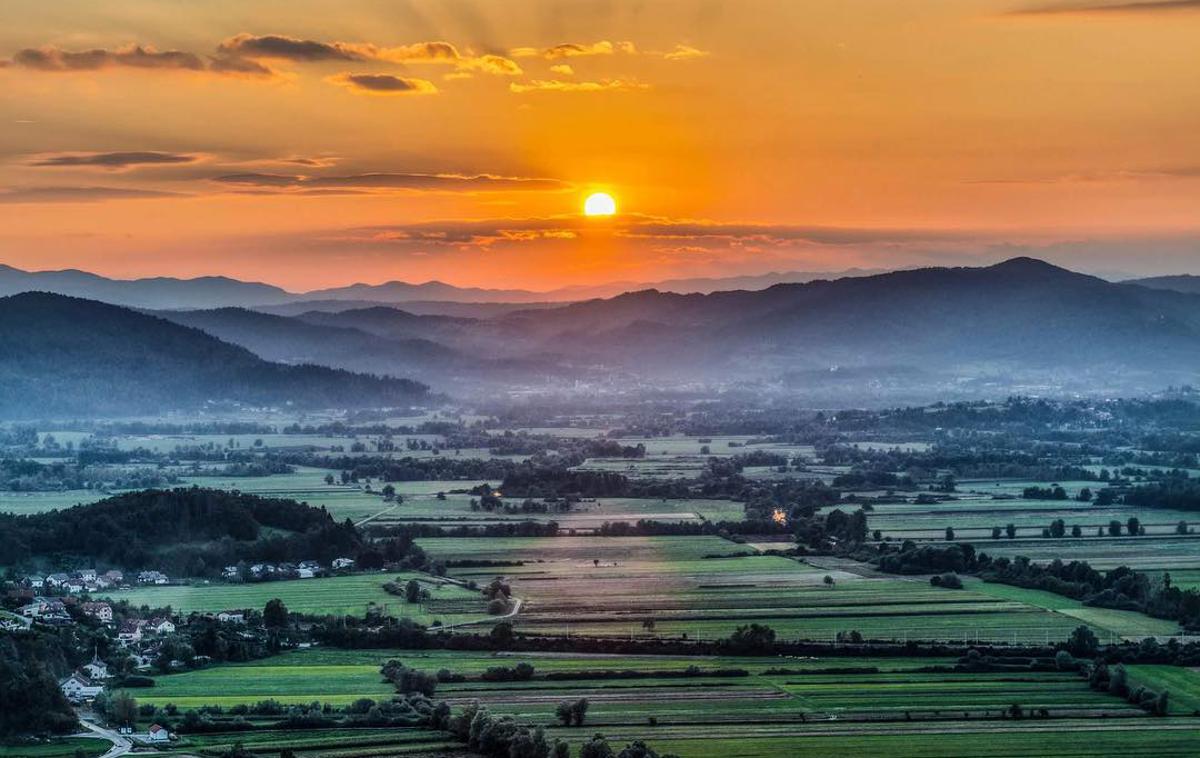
[1182, 283]
[67, 356]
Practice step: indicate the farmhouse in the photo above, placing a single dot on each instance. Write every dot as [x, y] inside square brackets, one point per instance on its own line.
[232, 617]
[87, 575]
[152, 577]
[57, 580]
[305, 573]
[343, 563]
[36, 582]
[78, 688]
[114, 578]
[158, 733]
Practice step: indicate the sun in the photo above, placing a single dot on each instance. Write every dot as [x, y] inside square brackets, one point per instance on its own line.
[599, 204]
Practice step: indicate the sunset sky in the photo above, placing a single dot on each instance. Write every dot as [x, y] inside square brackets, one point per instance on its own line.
[312, 144]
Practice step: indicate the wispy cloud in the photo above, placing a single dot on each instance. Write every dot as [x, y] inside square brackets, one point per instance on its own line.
[116, 160]
[558, 85]
[444, 182]
[1156, 173]
[146, 57]
[279, 47]
[1148, 7]
[575, 50]
[684, 53]
[77, 194]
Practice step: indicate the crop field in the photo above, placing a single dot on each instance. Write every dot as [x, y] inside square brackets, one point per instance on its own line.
[772, 706]
[339, 595]
[973, 518]
[25, 503]
[1182, 683]
[704, 587]
[328, 743]
[587, 515]
[1147, 553]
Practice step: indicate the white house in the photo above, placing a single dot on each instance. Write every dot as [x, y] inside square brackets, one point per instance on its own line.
[158, 733]
[57, 580]
[78, 688]
[232, 617]
[36, 582]
[305, 573]
[131, 630]
[87, 575]
[100, 611]
[161, 625]
[343, 563]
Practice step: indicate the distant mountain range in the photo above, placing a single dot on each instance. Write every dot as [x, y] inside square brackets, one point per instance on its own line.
[1019, 326]
[162, 293]
[1181, 283]
[63, 356]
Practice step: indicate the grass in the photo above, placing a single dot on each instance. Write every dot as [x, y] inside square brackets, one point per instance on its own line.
[339, 595]
[61, 747]
[1182, 683]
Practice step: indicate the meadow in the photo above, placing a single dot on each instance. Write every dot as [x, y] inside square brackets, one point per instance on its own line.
[338, 595]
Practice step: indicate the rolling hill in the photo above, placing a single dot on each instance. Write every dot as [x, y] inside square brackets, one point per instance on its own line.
[68, 356]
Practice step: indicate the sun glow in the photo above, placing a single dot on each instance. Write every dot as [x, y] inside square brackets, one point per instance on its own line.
[599, 204]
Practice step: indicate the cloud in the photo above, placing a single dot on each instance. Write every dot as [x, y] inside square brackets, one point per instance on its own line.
[445, 182]
[1157, 173]
[384, 84]
[116, 160]
[575, 50]
[288, 48]
[1102, 9]
[557, 85]
[135, 56]
[279, 47]
[563, 69]
[678, 233]
[684, 53]
[55, 59]
[77, 194]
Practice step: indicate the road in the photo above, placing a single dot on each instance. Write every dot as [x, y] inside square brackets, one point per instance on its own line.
[121, 744]
[490, 619]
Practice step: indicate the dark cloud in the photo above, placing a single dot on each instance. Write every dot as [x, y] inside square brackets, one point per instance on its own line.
[382, 180]
[56, 59]
[289, 48]
[114, 160]
[1094, 8]
[384, 84]
[135, 56]
[76, 194]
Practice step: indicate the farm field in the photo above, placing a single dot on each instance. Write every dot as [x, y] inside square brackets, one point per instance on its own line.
[25, 503]
[666, 587]
[329, 743]
[778, 706]
[62, 747]
[338, 595]
[1144, 553]
[586, 515]
[1183, 684]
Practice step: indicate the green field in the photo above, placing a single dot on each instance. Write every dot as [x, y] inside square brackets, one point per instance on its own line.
[62, 747]
[1182, 683]
[338, 595]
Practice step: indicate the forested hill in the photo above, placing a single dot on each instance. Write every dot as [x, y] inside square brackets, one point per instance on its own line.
[67, 356]
[186, 532]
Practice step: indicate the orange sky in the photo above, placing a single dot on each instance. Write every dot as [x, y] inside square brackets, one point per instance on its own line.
[316, 144]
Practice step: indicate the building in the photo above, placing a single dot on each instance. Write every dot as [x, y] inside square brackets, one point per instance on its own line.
[305, 573]
[87, 575]
[57, 580]
[158, 733]
[79, 689]
[96, 669]
[232, 617]
[161, 625]
[343, 563]
[152, 577]
[131, 631]
[102, 612]
[35, 581]
[114, 578]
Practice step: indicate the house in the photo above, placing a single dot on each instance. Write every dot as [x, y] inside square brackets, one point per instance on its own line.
[36, 582]
[45, 609]
[87, 575]
[57, 580]
[131, 631]
[309, 565]
[230, 572]
[152, 577]
[343, 563]
[161, 625]
[96, 669]
[305, 573]
[114, 578]
[232, 617]
[158, 733]
[78, 688]
[99, 611]
[262, 569]
[73, 585]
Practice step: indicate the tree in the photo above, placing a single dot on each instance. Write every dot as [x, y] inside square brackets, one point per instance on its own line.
[562, 749]
[123, 709]
[1083, 643]
[1181, 528]
[1076, 531]
[564, 712]
[329, 478]
[996, 532]
[1114, 528]
[949, 534]
[596, 747]
[1058, 528]
[502, 634]
[828, 580]
[275, 614]
[1010, 531]
[412, 591]
[1133, 526]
